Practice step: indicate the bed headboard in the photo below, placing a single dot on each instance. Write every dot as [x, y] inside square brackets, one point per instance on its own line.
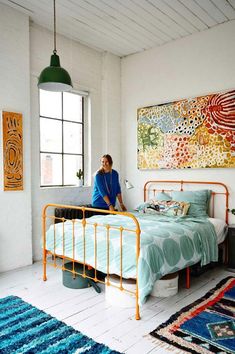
[219, 196]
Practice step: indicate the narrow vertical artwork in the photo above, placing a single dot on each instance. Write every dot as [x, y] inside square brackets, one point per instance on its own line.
[12, 151]
[190, 133]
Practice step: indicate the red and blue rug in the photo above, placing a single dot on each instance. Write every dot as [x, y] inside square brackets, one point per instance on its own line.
[205, 326]
[26, 329]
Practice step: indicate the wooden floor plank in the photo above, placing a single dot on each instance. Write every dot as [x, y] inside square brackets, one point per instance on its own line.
[88, 312]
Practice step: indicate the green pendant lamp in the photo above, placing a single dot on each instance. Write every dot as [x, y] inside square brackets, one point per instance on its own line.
[53, 77]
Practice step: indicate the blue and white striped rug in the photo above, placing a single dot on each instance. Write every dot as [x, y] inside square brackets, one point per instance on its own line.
[26, 329]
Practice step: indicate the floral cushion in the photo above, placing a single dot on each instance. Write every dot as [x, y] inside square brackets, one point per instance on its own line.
[171, 207]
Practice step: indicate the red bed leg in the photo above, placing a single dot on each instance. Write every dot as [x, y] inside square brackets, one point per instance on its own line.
[188, 277]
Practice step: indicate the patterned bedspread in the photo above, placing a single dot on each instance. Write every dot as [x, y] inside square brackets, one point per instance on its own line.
[167, 245]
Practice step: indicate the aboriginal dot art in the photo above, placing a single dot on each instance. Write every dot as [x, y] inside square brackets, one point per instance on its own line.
[190, 133]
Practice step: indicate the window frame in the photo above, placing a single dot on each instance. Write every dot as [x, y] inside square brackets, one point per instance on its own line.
[84, 96]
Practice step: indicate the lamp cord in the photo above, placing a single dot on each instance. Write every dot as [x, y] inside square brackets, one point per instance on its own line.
[54, 51]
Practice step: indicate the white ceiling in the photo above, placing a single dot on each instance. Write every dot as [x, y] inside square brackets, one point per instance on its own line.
[124, 27]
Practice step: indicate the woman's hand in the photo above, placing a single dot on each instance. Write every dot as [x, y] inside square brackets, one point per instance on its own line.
[123, 207]
[111, 207]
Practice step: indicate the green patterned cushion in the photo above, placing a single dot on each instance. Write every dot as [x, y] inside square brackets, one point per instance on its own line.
[163, 196]
[199, 201]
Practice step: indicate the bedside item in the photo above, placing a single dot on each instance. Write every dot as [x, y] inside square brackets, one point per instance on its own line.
[231, 248]
[77, 281]
[166, 286]
[128, 184]
[122, 299]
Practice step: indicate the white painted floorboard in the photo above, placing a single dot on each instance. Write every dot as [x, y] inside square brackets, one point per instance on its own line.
[87, 311]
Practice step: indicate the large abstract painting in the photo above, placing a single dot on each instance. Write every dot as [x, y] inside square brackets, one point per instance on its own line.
[12, 151]
[190, 133]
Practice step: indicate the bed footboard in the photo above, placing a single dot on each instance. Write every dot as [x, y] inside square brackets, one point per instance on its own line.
[79, 229]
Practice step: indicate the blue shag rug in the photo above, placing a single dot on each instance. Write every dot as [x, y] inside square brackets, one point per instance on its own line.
[26, 329]
[205, 326]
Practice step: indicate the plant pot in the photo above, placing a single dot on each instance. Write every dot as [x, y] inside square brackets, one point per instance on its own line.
[80, 183]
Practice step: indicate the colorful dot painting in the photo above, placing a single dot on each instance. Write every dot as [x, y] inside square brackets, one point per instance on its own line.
[191, 133]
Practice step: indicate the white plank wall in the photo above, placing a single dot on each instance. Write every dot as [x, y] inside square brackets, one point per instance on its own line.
[87, 311]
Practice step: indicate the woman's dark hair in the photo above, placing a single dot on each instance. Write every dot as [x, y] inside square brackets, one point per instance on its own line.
[110, 161]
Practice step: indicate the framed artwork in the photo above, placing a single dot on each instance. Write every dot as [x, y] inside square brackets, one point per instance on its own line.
[191, 133]
[12, 151]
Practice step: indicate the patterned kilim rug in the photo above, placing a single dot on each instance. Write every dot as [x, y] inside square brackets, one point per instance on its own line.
[205, 326]
[26, 329]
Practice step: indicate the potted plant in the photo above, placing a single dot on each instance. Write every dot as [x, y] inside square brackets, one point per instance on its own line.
[232, 211]
[80, 175]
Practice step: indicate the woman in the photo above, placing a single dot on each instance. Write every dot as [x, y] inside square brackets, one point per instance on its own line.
[106, 186]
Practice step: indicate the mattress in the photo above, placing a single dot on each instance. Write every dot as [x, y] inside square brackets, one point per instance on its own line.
[221, 229]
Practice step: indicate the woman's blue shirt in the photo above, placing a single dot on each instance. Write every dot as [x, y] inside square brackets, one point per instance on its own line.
[105, 184]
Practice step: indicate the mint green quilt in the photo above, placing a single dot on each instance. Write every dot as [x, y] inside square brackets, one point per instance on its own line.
[168, 244]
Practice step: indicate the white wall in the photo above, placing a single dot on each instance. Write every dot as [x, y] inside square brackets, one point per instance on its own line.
[25, 51]
[193, 66]
[90, 71]
[15, 206]
[111, 94]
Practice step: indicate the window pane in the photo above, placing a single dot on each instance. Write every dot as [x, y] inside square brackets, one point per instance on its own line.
[72, 163]
[51, 169]
[50, 104]
[72, 106]
[72, 138]
[61, 137]
[50, 135]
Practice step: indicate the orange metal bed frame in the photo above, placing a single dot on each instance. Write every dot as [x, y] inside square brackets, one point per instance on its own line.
[84, 223]
[150, 188]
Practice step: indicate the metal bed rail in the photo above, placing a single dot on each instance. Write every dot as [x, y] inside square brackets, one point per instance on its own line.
[84, 222]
